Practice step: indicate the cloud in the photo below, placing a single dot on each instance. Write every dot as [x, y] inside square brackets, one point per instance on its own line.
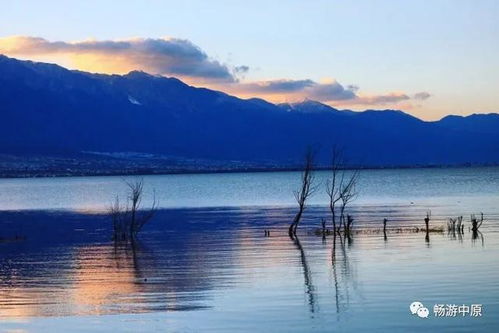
[390, 98]
[353, 87]
[331, 92]
[294, 90]
[422, 96]
[276, 86]
[168, 56]
[241, 69]
[183, 59]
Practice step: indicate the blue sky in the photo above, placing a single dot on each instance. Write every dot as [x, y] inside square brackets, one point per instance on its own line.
[447, 49]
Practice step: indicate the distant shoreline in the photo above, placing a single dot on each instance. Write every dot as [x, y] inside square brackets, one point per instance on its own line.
[13, 174]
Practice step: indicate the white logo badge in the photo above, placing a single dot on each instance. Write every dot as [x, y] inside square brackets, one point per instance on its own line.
[419, 309]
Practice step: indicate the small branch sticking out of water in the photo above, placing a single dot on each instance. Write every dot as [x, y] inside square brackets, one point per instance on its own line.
[129, 220]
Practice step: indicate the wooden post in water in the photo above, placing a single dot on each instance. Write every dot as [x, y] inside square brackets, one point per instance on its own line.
[349, 224]
[384, 228]
[427, 223]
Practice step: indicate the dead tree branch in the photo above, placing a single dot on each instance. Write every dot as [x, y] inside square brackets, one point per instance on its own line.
[306, 190]
[340, 187]
[128, 220]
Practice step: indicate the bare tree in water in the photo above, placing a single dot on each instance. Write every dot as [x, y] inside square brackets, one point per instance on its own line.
[333, 183]
[340, 187]
[475, 222]
[128, 220]
[348, 193]
[306, 190]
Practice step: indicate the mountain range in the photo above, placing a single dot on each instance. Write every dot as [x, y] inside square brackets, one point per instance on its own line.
[46, 109]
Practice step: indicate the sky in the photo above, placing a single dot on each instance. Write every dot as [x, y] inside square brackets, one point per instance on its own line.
[428, 58]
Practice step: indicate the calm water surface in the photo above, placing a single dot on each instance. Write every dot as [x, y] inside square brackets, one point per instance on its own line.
[203, 264]
[471, 186]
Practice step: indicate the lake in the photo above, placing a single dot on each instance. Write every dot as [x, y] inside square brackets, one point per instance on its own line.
[203, 263]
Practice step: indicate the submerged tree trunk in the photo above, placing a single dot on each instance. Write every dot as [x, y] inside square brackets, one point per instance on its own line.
[333, 216]
[306, 190]
[296, 221]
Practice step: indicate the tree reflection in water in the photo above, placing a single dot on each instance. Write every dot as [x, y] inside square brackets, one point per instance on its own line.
[477, 235]
[341, 270]
[307, 276]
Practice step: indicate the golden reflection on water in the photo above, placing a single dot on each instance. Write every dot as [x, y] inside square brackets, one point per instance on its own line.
[103, 275]
[98, 277]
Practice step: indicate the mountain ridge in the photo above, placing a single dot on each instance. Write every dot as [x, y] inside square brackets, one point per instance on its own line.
[47, 108]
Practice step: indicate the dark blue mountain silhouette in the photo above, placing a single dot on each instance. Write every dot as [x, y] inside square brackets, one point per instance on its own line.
[48, 109]
[476, 123]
